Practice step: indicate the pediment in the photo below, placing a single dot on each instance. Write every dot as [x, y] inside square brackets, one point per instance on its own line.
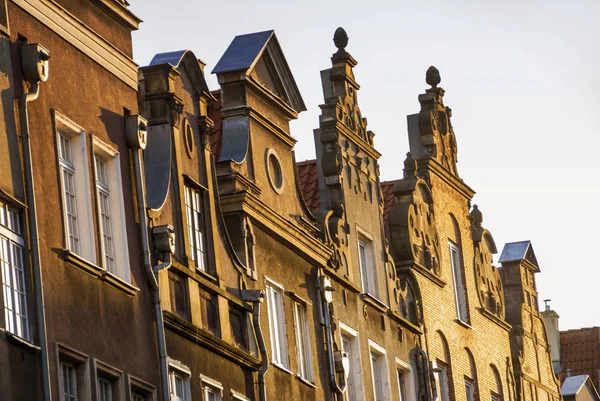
[260, 56]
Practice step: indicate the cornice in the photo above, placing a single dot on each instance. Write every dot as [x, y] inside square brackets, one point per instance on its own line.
[78, 35]
[120, 14]
[455, 182]
[287, 231]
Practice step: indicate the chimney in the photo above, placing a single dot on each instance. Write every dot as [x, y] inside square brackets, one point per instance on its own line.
[551, 321]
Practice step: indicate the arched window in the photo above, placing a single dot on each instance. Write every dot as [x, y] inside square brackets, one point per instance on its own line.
[458, 275]
[471, 382]
[442, 368]
[495, 384]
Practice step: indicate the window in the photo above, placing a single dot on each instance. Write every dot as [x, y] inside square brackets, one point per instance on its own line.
[195, 224]
[305, 369]
[209, 312]
[495, 397]
[179, 382]
[277, 325]
[141, 390]
[406, 389]
[349, 343]
[238, 327]
[212, 390]
[367, 268]
[469, 389]
[108, 382]
[442, 373]
[69, 381]
[3, 17]
[459, 286]
[179, 295]
[13, 272]
[73, 375]
[75, 188]
[381, 389]
[111, 211]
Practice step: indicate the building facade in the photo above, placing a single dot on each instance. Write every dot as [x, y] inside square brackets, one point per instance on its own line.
[160, 242]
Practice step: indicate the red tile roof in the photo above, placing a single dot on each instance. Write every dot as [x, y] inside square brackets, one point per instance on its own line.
[580, 352]
[307, 174]
[215, 114]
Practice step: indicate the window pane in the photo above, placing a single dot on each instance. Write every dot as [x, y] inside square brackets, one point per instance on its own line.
[13, 285]
[401, 386]
[69, 379]
[193, 208]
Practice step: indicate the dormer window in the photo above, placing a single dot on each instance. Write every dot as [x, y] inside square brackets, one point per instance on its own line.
[368, 274]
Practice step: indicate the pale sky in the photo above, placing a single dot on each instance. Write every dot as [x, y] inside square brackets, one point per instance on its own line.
[522, 78]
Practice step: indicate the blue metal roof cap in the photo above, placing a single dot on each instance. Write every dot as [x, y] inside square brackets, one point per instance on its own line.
[243, 52]
[573, 384]
[172, 58]
[518, 251]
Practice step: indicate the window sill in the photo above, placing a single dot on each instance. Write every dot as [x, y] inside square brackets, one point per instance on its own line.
[374, 302]
[281, 367]
[305, 381]
[100, 273]
[464, 324]
[21, 342]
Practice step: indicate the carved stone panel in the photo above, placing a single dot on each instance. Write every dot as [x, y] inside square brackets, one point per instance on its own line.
[412, 225]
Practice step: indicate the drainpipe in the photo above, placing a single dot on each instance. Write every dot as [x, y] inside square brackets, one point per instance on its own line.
[337, 360]
[136, 136]
[257, 297]
[34, 60]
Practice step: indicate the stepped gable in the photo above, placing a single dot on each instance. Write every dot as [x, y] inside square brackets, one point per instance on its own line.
[216, 114]
[580, 352]
[309, 183]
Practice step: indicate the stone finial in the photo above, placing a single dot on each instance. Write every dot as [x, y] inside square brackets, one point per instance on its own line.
[340, 39]
[476, 217]
[432, 77]
[410, 166]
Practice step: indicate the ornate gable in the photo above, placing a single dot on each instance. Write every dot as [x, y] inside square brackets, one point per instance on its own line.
[487, 278]
[412, 222]
[430, 131]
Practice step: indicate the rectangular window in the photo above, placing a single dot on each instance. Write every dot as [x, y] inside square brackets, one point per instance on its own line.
[212, 390]
[495, 397]
[76, 196]
[13, 272]
[108, 382]
[4, 17]
[442, 372]
[141, 390]
[179, 385]
[105, 390]
[111, 211]
[195, 225]
[459, 286]
[69, 381]
[401, 385]
[349, 343]
[209, 312]
[469, 389]
[305, 368]
[381, 389]
[406, 390]
[367, 268]
[239, 329]
[179, 295]
[279, 350]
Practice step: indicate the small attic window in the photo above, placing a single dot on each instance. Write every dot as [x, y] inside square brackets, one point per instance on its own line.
[274, 171]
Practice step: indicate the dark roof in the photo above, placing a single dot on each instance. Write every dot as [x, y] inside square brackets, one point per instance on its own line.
[172, 58]
[243, 52]
[307, 174]
[573, 385]
[580, 352]
[518, 251]
[388, 197]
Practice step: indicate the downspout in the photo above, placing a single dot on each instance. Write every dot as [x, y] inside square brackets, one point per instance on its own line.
[257, 297]
[24, 99]
[325, 301]
[152, 273]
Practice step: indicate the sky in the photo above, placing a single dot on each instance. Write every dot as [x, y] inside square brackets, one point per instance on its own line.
[521, 77]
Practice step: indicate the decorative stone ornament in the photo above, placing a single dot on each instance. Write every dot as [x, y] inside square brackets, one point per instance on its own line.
[188, 138]
[340, 39]
[487, 278]
[412, 223]
[274, 170]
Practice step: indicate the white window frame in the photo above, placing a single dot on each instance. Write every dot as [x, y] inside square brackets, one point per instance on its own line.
[113, 188]
[237, 396]
[276, 308]
[196, 227]
[409, 384]
[177, 369]
[211, 386]
[80, 362]
[303, 343]
[12, 267]
[460, 293]
[379, 369]
[65, 394]
[355, 389]
[368, 273]
[77, 139]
